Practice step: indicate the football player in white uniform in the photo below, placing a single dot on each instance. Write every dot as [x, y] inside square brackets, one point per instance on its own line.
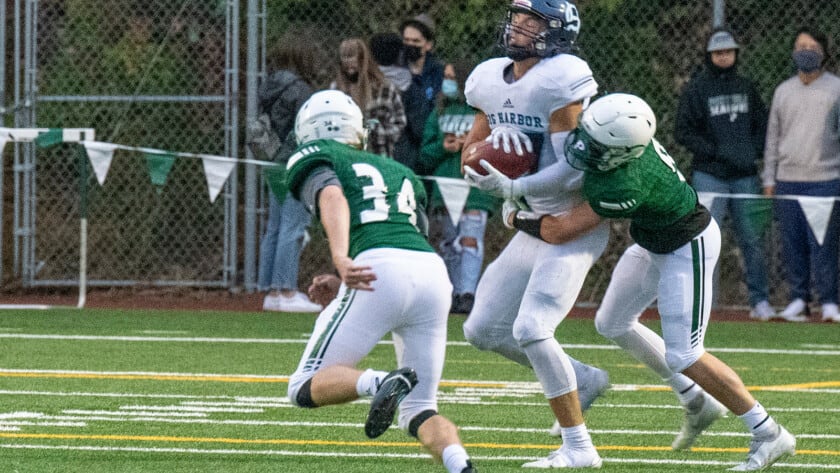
[532, 98]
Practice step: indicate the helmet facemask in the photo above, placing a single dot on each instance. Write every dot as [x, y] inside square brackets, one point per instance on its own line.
[613, 130]
[561, 26]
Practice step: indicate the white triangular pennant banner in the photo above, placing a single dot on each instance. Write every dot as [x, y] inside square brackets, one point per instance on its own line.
[817, 211]
[706, 199]
[454, 192]
[216, 171]
[100, 155]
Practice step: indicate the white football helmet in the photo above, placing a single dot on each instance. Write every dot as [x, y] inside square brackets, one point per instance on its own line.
[613, 130]
[330, 114]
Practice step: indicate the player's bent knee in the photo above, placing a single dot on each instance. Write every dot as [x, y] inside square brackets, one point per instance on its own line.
[418, 420]
[477, 336]
[677, 362]
[527, 330]
[300, 392]
[608, 328]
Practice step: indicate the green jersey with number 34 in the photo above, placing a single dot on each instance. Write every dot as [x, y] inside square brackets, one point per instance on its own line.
[384, 196]
[654, 195]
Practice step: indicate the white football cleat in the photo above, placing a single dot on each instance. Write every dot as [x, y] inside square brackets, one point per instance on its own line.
[764, 453]
[700, 413]
[566, 457]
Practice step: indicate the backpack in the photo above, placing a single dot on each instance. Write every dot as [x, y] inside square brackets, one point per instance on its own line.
[262, 139]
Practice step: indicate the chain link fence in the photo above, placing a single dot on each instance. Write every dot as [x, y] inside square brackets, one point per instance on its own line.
[158, 74]
[151, 74]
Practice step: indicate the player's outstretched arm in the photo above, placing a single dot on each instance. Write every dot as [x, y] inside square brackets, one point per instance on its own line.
[555, 229]
[335, 217]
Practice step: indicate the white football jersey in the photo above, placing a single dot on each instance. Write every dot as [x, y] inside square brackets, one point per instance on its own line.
[528, 103]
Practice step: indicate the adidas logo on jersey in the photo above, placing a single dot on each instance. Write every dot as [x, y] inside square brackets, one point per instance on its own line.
[507, 104]
[628, 204]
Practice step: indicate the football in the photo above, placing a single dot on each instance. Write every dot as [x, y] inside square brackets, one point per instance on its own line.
[510, 164]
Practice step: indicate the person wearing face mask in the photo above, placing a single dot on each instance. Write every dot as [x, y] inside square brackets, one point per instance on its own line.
[418, 34]
[722, 121]
[461, 244]
[802, 158]
[381, 102]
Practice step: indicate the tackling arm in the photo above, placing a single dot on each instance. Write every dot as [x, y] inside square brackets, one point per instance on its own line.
[556, 229]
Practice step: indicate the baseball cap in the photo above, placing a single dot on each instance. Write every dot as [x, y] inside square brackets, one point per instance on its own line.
[720, 41]
[422, 22]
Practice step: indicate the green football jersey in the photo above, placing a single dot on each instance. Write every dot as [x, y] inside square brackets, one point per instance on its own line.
[384, 196]
[650, 191]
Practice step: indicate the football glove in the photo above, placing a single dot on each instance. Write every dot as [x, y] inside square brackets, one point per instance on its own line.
[510, 207]
[506, 135]
[494, 183]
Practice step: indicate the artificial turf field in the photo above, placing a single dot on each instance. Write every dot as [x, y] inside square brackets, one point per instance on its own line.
[102, 391]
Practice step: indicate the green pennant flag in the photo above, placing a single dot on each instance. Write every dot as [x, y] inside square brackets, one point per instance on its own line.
[159, 166]
[50, 138]
[275, 176]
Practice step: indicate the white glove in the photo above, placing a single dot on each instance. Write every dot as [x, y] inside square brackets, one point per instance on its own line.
[507, 135]
[508, 207]
[494, 183]
[517, 209]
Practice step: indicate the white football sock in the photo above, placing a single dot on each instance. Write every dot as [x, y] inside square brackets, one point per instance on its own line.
[759, 422]
[576, 437]
[369, 381]
[454, 458]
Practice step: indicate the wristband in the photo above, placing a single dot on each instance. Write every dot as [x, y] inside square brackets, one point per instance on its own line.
[531, 226]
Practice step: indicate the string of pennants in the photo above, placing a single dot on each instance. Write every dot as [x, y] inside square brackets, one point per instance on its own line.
[454, 191]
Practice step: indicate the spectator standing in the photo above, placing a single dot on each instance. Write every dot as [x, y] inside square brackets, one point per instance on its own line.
[802, 158]
[418, 35]
[281, 95]
[387, 51]
[722, 120]
[380, 101]
[462, 244]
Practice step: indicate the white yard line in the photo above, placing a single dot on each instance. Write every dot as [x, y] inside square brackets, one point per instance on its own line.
[478, 458]
[808, 350]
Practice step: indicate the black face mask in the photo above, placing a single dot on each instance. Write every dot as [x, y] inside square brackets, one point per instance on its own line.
[413, 53]
[352, 77]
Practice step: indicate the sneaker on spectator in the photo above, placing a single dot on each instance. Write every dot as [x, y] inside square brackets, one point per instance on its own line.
[462, 303]
[295, 303]
[830, 312]
[762, 311]
[793, 312]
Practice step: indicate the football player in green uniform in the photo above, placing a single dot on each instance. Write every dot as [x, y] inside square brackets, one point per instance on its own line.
[372, 211]
[628, 174]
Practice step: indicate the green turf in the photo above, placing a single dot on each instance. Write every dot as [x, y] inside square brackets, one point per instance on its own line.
[78, 390]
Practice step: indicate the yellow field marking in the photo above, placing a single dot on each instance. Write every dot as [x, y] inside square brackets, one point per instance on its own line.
[212, 378]
[285, 379]
[155, 377]
[336, 443]
[778, 387]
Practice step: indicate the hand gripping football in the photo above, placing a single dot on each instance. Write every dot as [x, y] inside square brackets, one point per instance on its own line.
[510, 164]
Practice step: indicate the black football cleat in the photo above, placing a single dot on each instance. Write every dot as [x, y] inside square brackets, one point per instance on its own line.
[394, 388]
[470, 468]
